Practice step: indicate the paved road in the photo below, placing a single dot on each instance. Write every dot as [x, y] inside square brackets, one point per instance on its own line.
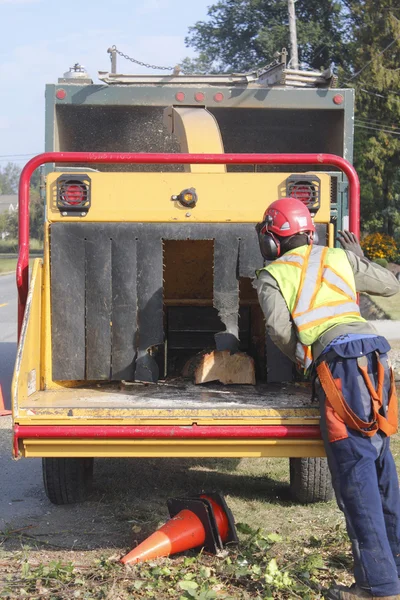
[389, 329]
[8, 332]
[21, 489]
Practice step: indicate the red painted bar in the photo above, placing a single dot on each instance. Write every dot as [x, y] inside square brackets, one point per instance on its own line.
[163, 432]
[168, 431]
[158, 158]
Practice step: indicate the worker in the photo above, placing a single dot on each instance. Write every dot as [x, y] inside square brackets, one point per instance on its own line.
[308, 296]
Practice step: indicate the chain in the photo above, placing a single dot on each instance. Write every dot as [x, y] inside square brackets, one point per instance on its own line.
[138, 62]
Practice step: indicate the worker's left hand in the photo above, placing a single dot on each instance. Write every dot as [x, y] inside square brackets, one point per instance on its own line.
[349, 241]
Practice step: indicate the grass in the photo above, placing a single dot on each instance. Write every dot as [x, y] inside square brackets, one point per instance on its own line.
[11, 245]
[8, 265]
[390, 306]
[287, 551]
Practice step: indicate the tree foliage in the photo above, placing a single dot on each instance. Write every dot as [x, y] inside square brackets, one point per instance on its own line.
[361, 38]
[242, 34]
[376, 59]
[9, 178]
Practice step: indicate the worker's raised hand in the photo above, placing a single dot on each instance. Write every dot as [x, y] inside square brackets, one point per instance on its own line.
[350, 242]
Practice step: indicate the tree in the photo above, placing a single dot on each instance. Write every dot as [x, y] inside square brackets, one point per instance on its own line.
[376, 77]
[9, 177]
[243, 34]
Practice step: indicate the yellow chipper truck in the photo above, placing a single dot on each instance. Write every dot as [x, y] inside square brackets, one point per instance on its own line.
[153, 187]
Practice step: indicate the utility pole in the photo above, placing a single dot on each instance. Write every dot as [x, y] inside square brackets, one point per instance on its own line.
[294, 57]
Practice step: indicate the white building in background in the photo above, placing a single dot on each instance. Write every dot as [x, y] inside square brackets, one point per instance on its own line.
[8, 202]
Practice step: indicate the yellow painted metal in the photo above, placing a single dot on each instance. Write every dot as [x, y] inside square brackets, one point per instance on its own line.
[222, 197]
[197, 131]
[246, 448]
[26, 378]
[46, 366]
[331, 235]
[29, 418]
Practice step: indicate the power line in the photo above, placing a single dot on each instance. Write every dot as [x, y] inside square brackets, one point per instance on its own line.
[362, 126]
[372, 59]
[379, 95]
[369, 121]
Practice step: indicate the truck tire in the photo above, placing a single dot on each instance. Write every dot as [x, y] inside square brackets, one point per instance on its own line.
[67, 480]
[310, 480]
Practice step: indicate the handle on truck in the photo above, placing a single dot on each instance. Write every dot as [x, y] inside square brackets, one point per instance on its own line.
[168, 158]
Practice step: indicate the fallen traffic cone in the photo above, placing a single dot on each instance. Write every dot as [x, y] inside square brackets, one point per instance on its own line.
[203, 522]
[3, 411]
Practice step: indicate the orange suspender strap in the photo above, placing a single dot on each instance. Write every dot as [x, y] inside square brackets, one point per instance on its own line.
[393, 408]
[335, 398]
[387, 424]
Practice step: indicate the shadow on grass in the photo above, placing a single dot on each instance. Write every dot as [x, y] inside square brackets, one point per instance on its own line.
[163, 478]
[128, 502]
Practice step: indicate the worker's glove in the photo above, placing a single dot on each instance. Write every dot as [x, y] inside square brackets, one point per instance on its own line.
[349, 241]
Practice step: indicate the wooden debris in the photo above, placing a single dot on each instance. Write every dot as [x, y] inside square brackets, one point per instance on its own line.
[225, 367]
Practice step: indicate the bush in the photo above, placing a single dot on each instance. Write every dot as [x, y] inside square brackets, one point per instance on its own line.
[379, 245]
[9, 245]
[382, 262]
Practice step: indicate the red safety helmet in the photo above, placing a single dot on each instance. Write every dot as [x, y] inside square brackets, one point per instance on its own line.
[283, 218]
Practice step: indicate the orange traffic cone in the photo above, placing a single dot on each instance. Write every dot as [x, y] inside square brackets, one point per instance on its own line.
[201, 522]
[3, 411]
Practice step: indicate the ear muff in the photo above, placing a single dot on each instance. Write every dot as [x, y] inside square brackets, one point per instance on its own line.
[269, 245]
[312, 237]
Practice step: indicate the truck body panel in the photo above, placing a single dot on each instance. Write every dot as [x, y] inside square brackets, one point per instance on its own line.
[137, 282]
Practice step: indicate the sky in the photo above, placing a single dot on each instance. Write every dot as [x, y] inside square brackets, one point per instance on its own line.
[42, 39]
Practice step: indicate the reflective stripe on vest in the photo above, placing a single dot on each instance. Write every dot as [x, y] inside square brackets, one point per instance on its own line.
[304, 315]
[304, 356]
[319, 289]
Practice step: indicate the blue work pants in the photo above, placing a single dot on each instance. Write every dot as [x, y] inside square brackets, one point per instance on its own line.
[364, 476]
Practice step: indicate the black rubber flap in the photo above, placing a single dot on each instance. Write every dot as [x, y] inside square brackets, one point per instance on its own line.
[203, 510]
[220, 500]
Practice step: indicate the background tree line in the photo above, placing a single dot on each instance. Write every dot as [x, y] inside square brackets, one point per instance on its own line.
[362, 40]
[9, 178]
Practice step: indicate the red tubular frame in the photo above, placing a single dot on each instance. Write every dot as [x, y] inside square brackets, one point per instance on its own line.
[132, 158]
[163, 432]
[121, 432]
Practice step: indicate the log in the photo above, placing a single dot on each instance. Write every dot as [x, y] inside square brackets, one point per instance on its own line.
[225, 367]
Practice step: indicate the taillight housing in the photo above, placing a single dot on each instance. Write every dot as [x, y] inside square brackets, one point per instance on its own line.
[306, 188]
[73, 193]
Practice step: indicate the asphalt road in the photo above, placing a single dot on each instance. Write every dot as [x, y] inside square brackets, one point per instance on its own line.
[21, 489]
[8, 332]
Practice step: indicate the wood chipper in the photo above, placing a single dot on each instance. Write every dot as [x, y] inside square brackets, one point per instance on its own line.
[153, 189]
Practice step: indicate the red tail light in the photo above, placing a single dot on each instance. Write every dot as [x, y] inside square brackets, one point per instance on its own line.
[73, 193]
[306, 188]
[303, 193]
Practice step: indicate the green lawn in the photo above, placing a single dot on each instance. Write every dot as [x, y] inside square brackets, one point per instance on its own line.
[8, 265]
[391, 306]
[287, 551]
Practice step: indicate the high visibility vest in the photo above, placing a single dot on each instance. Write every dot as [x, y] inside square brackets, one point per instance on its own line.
[320, 292]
